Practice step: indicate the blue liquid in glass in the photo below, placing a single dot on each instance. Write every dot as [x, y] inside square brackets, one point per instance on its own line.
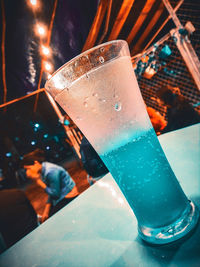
[147, 181]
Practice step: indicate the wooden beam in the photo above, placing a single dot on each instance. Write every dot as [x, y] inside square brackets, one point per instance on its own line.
[94, 31]
[121, 18]
[144, 13]
[107, 22]
[148, 29]
[162, 26]
[3, 38]
[172, 13]
[184, 46]
[23, 97]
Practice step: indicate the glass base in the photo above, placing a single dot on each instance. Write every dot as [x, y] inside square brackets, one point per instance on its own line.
[174, 231]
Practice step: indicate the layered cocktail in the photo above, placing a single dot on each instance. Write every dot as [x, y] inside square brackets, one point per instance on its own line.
[99, 91]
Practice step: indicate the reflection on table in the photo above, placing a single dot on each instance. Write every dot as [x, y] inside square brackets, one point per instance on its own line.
[100, 229]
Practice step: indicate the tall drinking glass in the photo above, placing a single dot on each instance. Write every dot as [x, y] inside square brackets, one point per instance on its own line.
[99, 91]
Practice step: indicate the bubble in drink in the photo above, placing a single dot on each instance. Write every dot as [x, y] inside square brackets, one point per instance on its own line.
[135, 165]
[85, 104]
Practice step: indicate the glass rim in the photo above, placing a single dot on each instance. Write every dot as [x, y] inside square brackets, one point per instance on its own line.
[81, 55]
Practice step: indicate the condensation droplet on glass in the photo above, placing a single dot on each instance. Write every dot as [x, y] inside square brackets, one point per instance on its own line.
[78, 118]
[118, 106]
[87, 76]
[101, 59]
[115, 96]
[101, 49]
[95, 94]
[102, 100]
[86, 99]
[85, 104]
[76, 63]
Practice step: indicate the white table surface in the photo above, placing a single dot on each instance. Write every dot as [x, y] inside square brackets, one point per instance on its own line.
[99, 229]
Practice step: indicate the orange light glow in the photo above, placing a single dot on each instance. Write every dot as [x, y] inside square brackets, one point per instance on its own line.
[40, 30]
[48, 75]
[48, 66]
[45, 50]
[33, 2]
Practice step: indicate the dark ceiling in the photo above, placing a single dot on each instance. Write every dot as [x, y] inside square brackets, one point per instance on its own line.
[73, 26]
[21, 54]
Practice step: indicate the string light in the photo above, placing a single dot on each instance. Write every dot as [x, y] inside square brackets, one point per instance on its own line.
[47, 66]
[33, 2]
[45, 50]
[48, 75]
[40, 30]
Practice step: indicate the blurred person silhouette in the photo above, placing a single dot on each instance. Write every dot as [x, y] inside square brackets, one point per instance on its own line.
[91, 161]
[54, 179]
[180, 113]
[157, 120]
[17, 217]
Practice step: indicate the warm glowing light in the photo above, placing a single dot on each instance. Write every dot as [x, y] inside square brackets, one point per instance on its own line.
[33, 2]
[45, 50]
[48, 66]
[40, 30]
[49, 76]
